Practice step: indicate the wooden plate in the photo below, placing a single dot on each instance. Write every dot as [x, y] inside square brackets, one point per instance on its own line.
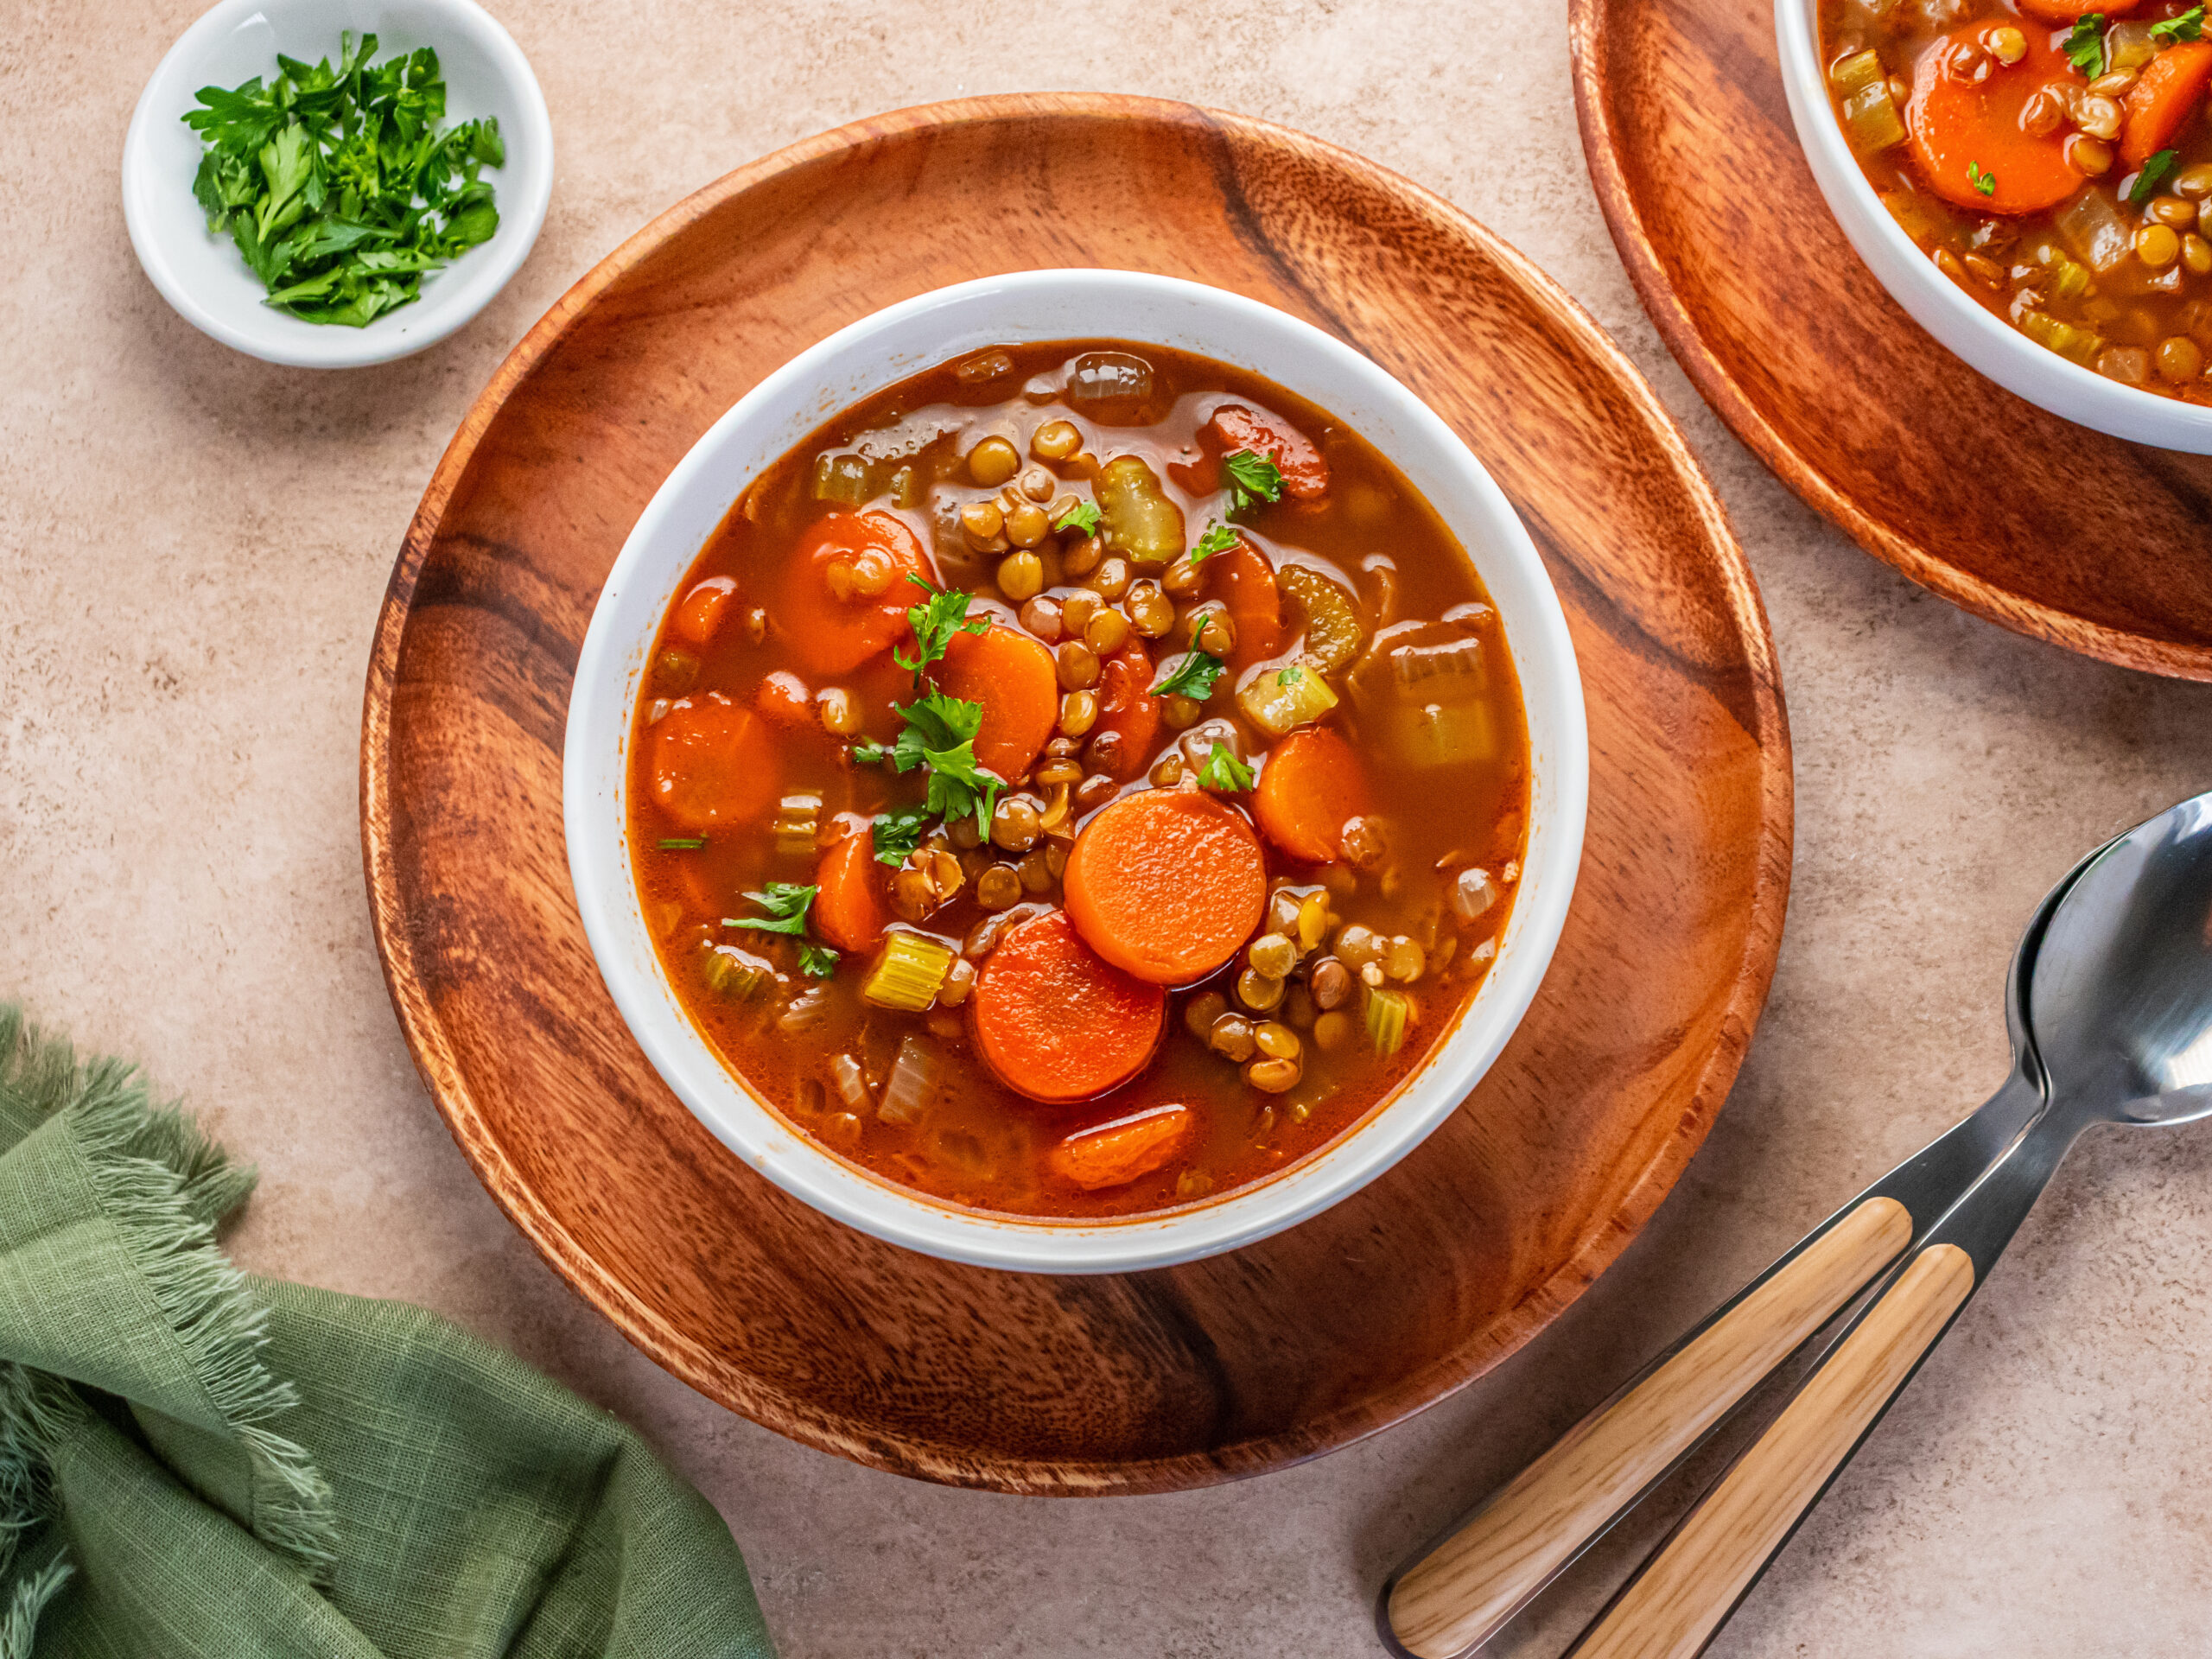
[1161, 1380]
[2048, 528]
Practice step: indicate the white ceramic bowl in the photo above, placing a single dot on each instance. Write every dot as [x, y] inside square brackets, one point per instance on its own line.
[202, 275]
[874, 353]
[1995, 348]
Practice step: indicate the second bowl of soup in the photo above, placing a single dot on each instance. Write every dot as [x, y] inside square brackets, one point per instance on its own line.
[1076, 771]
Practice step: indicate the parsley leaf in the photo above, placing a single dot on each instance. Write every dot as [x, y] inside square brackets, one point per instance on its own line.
[338, 185]
[1251, 479]
[1193, 676]
[786, 905]
[898, 831]
[1083, 516]
[1218, 539]
[1985, 182]
[935, 621]
[1223, 770]
[2085, 47]
[2146, 182]
[940, 734]
[2189, 26]
[1290, 676]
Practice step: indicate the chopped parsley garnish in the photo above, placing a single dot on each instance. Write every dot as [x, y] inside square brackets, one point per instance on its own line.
[337, 185]
[1290, 677]
[681, 843]
[2085, 47]
[1251, 479]
[786, 905]
[1218, 539]
[1985, 182]
[1223, 770]
[940, 734]
[898, 831]
[2146, 182]
[935, 621]
[1193, 676]
[1083, 516]
[2189, 26]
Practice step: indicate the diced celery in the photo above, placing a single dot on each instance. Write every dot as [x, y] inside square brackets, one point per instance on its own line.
[2078, 345]
[1442, 733]
[1389, 1013]
[1276, 700]
[1136, 518]
[1333, 635]
[1859, 69]
[908, 972]
[2129, 46]
[798, 821]
[847, 478]
[1870, 119]
[738, 974]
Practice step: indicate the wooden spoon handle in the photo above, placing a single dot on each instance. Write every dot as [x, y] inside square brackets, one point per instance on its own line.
[1460, 1592]
[1671, 1609]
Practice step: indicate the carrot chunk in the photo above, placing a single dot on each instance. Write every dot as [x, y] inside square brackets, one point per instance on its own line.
[1009, 676]
[846, 596]
[2171, 86]
[1964, 132]
[1115, 1153]
[713, 763]
[852, 907]
[1127, 707]
[2066, 12]
[1311, 785]
[1246, 582]
[1055, 1023]
[1166, 885]
[784, 698]
[702, 610]
[1305, 475]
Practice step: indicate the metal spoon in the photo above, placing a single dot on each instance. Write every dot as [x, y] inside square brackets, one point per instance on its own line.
[2109, 1004]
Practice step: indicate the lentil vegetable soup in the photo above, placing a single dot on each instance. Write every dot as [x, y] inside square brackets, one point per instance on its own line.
[1080, 780]
[2053, 159]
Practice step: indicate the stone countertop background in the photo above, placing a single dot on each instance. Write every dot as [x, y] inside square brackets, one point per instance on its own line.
[193, 548]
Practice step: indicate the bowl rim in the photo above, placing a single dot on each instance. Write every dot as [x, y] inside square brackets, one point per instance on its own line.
[1995, 349]
[607, 678]
[439, 312]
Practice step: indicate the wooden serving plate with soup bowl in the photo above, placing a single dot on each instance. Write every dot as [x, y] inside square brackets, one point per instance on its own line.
[2042, 525]
[1181, 1376]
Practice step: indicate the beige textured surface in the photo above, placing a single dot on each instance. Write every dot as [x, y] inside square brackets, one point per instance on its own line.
[192, 547]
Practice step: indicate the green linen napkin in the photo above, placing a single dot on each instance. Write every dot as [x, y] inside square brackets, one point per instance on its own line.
[197, 1463]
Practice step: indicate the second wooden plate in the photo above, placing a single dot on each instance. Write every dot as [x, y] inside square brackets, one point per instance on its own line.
[1169, 1379]
[2051, 529]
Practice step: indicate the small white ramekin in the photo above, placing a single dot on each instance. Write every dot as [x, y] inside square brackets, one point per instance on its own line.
[203, 275]
[888, 347]
[1987, 342]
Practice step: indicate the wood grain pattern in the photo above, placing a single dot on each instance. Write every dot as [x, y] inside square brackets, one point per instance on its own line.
[1461, 1593]
[1160, 1380]
[1671, 1609]
[2042, 526]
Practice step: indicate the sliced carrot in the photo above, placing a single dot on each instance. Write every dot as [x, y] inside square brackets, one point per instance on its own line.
[1964, 132]
[784, 698]
[1010, 677]
[1310, 785]
[702, 610]
[2161, 100]
[1127, 707]
[2065, 11]
[1246, 583]
[1115, 1153]
[714, 763]
[1305, 475]
[1166, 885]
[1055, 1022]
[833, 624]
[852, 907]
